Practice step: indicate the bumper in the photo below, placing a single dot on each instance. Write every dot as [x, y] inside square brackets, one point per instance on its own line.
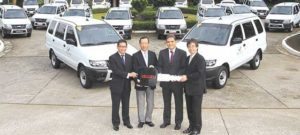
[99, 74]
[177, 32]
[212, 73]
[17, 31]
[40, 24]
[278, 26]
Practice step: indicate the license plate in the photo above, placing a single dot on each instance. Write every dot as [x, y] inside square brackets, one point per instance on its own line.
[277, 26]
[40, 24]
[19, 31]
[172, 32]
[261, 13]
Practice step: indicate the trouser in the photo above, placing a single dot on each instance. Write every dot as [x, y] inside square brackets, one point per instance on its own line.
[142, 96]
[116, 99]
[178, 97]
[194, 111]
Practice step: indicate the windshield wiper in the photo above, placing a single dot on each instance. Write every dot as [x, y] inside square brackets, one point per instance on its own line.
[207, 42]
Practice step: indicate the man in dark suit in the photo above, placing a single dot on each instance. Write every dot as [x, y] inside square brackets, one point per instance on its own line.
[120, 87]
[142, 60]
[195, 86]
[172, 61]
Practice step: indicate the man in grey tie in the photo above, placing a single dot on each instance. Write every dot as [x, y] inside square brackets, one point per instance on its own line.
[141, 60]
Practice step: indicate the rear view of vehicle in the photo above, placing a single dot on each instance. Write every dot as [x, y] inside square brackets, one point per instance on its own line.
[79, 11]
[125, 3]
[259, 6]
[30, 6]
[181, 3]
[101, 4]
[210, 13]
[206, 3]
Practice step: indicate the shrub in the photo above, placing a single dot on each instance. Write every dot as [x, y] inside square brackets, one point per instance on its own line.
[99, 10]
[139, 5]
[143, 25]
[189, 10]
[160, 3]
[147, 15]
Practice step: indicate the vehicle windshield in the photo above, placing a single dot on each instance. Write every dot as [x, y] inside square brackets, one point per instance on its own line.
[207, 1]
[241, 10]
[180, 0]
[125, 0]
[75, 12]
[30, 2]
[47, 10]
[210, 34]
[60, 2]
[214, 12]
[285, 10]
[258, 4]
[170, 14]
[76, 1]
[98, 0]
[14, 14]
[98, 34]
[118, 15]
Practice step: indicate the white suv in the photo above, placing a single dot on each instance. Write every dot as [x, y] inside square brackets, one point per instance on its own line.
[30, 6]
[181, 3]
[206, 3]
[85, 45]
[121, 20]
[46, 13]
[170, 20]
[259, 6]
[227, 43]
[14, 21]
[284, 16]
[125, 3]
[101, 4]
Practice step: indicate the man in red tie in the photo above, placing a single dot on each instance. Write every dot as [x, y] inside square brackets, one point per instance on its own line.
[172, 61]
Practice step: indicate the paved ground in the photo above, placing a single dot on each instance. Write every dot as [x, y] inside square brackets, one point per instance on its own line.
[36, 99]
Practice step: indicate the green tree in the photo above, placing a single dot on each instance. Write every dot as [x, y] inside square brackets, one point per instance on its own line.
[139, 5]
[160, 3]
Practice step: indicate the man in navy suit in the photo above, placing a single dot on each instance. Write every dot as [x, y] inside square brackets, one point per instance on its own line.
[120, 86]
[142, 60]
[172, 61]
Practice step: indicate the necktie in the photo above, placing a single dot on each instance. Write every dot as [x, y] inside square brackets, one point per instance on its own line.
[146, 59]
[123, 59]
[172, 56]
[190, 59]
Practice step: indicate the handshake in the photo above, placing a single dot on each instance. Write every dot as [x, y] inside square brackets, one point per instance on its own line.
[132, 74]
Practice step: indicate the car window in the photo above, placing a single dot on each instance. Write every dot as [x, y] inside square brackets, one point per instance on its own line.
[258, 26]
[249, 30]
[237, 33]
[58, 11]
[51, 27]
[296, 10]
[118, 14]
[62, 9]
[60, 31]
[70, 33]
[228, 11]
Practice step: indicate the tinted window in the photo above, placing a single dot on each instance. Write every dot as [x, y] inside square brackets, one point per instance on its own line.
[15, 14]
[60, 31]
[75, 12]
[214, 12]
[47, 10]
[258, 26]
[30, 2]
[170, 14]
[51, 27]
[58, 11]
[241, 9]
[237, 33]
[118, 14]
[249, 30]
[285, 10]
[70, 33]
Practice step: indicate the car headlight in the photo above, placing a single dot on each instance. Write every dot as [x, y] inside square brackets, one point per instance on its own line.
[286, 21]
[7, 26]
[98, 63]
[210, 63]
[127, 27]
[183, 26]
[29, 26]
[161, 26]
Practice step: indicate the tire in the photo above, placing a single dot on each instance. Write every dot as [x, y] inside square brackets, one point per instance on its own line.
[291, 28]
[129, 36]
[55, 62]
[28, 35]
[221, 80]
[159, 36]
[34, 27]
[3, 34]
[84, 79]
[267, 29]
[255, 62]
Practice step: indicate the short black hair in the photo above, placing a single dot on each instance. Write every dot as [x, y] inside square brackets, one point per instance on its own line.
[121, 41]
[171, 36]
[192, 40]
[144, 37]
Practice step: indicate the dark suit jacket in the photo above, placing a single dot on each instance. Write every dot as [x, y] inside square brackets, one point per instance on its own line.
[195, 71]
[175, 68]
[119, 81]
[139, 63]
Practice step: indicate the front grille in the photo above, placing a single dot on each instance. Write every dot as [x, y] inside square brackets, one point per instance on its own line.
[276, 21]
[40, 20]
[261, 11]
[118, 27]
[21, 26]
[172, 27]
[30, 9]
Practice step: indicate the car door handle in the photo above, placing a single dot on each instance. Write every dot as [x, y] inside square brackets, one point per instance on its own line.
[53, 40]
[256, 39]
[244, 45]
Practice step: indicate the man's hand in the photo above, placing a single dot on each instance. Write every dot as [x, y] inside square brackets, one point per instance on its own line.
[133, 74]
[183, 78]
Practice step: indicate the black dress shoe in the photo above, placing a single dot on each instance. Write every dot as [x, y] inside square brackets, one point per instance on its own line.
[141, 124]
[150, 124]
[177, 126]
[164, 125]
[116, 128]
[195, 133]
[187, 131]
[128, 125]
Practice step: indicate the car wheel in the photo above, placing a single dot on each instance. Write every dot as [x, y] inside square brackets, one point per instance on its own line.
[85, 80]
[255, 62]
[267, 29]
[34, 27]
[221, 79]
[3, 34]
[129, 36]
[291, 28]
[28, 35]
[55, 62]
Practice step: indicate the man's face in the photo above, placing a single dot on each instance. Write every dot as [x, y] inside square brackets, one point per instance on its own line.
[122, 48]
[192, 48]
[144, 44]
[171, 43]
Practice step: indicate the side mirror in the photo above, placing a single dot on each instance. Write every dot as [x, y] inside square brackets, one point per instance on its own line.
[60, 15]
[201, 15]
[102, 17]
[88, 15]
[132, 17]
[236, 40]
[71, 41]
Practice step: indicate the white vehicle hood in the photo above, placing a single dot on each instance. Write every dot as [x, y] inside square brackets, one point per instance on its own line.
[103, 52]
[16, 21]
[119, 22]
[31, 6]
[171, 22]
[260, 8]
[279, 17]
[44, 16]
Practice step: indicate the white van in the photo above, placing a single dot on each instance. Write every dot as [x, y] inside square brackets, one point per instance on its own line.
[210, 13]
[78, 3]
[284, 16]
[227, 43]
[181, 3]
[76, 42]
[170, 20]
[14, 21]
[259, 6]
[46, 13]
[206, 3]
[101, 4]
[30, 6]
[121, 20]
[125, 3]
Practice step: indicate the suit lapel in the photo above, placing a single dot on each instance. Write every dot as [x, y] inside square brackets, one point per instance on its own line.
[120, 60]
[142, 60]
